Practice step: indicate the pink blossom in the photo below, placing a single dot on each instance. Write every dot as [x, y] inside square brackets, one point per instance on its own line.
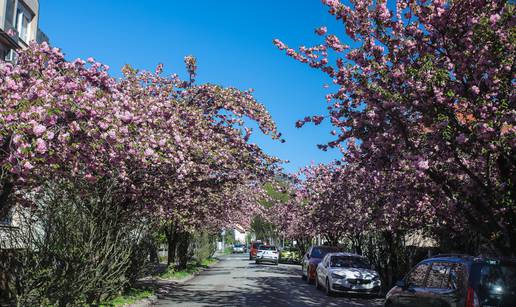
[28, 166]
[126, 117]
[90, 178]
[50, 135]
[149, 152]
[279, 44]
[39, 129]
[41, 146]
[321, 30]
[494, 18]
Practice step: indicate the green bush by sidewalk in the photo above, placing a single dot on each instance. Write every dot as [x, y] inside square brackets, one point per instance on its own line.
[131, 296]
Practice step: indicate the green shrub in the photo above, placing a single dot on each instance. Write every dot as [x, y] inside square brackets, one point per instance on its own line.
[78, 247]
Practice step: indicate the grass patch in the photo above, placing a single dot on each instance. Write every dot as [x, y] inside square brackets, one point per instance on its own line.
[131, 296]
[208, 261]
[228, 250]
[191, 268]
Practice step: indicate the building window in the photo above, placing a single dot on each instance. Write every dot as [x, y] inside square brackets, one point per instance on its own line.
[23, 21]
[9, 14]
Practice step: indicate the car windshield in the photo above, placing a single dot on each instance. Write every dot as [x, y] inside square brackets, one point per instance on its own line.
[267, 248]
[497, 284]
[238, 245]
[256, 245]
[320, 252]
[349, 262]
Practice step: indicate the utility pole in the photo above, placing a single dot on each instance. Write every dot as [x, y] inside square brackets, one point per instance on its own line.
[223, 240]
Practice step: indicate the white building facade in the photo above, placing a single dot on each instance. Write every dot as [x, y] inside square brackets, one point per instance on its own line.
[18, 26]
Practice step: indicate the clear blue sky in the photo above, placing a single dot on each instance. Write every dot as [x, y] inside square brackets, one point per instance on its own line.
[232, 41]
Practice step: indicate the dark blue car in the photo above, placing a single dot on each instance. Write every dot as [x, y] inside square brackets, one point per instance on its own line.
[457, 280]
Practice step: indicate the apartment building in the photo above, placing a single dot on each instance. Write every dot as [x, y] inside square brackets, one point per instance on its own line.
[18, 26]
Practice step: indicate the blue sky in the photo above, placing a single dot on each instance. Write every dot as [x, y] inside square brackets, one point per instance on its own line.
[232, 41]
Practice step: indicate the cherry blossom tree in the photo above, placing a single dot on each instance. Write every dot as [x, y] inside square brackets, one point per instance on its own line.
[161, 136]
[427, 89]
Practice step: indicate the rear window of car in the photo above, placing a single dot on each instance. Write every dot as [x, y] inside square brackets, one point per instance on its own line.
[349, 262]
[416, 277]
[320, 252]
[238, 245]
[267, 248]
[497, 284]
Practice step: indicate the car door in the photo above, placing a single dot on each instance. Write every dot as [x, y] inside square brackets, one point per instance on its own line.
[441, 286]
[415, 283]
[322, 269]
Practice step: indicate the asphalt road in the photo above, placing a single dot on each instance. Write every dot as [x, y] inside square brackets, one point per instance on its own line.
[236, 281]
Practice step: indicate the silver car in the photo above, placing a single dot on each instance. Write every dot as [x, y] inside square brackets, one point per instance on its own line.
[267, 253]
[238, 248]
[347, 273]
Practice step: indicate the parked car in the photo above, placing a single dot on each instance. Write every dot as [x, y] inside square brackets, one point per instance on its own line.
[238, 248]
[347, 273]
[267, 253]
[289, 255]
[457, 280]
[312, 258]
[253, 249]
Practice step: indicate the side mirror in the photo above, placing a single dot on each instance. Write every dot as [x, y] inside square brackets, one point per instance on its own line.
[402, 284]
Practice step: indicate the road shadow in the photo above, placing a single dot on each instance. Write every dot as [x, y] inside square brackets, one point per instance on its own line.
[281, 287]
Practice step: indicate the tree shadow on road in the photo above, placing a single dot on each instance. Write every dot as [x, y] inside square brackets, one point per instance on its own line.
[282, 287]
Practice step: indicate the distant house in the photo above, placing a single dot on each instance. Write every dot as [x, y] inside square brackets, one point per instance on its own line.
[240, 234]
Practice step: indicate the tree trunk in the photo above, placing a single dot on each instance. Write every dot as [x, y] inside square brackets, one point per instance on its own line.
[153, 251]
[171, 234]
[6, 189]
[183, 250]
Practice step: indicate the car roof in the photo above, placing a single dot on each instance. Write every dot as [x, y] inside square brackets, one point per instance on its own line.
[325, 246]
[462, 258]
[343, 254]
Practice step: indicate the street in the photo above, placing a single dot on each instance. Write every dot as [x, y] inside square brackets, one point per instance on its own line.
[236, 281]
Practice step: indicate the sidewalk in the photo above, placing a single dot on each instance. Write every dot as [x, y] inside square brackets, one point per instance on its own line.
[165, 286]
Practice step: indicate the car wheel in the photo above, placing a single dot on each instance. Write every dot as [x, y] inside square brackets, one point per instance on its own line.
[328, 289]
[303, 276]
[308, 280]
[317, 284]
